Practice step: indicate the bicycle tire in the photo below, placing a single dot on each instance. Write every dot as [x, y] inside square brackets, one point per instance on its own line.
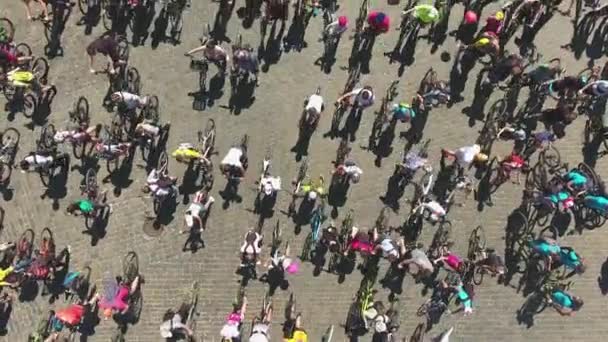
[210, 134]
[30, 105]
[302, 171]
[40, 69]
[23, 50]
[133, 80]
[81, 111]
[91, 181]
[551, 157]
[48, 235]
[8, 26]
[276, 235]
[418, 334]
[10, 136]
[26, 243]
[477, 242]
[428, 81]
[152, 112]
[244, 143]
[130, 266]
[586, 169]
[47, 135]
[329, 333]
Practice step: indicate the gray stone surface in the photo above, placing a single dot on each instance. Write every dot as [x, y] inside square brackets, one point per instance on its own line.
[271, 121]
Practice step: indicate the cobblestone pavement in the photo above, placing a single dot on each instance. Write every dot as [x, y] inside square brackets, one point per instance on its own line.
[271, 122]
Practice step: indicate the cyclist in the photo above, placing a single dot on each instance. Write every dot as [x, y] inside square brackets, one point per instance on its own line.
[450, 261]
[115, 296]
[251, 247]
[24, 79]
[335, 29]
[566, 86]
[275, 9]
[111, 150]
[260, 331]
[313, 107]
[361, 241]
[107, 46]
[245, 60]
[89, 206]
[495, 23]
[281, 263]
[598, 88]
[71, 315]
[466, 155]
[403, 111]
[213, 53]
[377, 319]
[127, 103]
[198, 210]
[378, 22]
[576, 182]
[186, 153]
[293, 331]
[147, 130]
[329, 238]
[10, 58]
[173, 323]
[230, 331]
[547, 248]
[80, 134]
[511, 65]
[160, 184]
[348, 172]
[435, 211]
[359, 98]
[597, 202]
[572, 261]
[417, 263]
[491, 262]
[464, 297]
[425, 14]
[43, 4]
[565, 303]
[36, 161]
[269, 188]
[559, 117]
[234, 163]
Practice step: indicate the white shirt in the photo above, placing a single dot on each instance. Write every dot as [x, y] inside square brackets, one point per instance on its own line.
[316, 102]
[38, 160]
[413, 161]
[233, 157]
[270, 184]
[466, 155]
[435, 208]
[132, 101]
[167, 327]
[335, 29]
[359, 99]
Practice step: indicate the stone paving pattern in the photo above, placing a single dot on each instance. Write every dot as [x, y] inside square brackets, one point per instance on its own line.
[271, 121]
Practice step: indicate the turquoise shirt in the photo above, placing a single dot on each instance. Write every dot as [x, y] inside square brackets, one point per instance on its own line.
[562, 299]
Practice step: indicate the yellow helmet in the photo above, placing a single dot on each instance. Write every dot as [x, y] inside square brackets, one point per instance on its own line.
[500, 15]
[481, 157]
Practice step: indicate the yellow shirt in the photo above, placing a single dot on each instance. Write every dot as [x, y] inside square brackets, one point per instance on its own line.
[186, 154]
[298, 336]
[3, 274]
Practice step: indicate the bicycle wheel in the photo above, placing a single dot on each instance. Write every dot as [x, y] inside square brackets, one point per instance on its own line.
[81, 111]
[23, 50]
[163, 162]
[383, 219]
[244, 143]
[424, 308]
[123, 48]
[276, 235]
[418, 335]
[118, 334]
[130, 266]
[590, 173]
[329, 333]
[83, 6]
[10, 138]
[91, 181]
[108, 11]
[7, 29]
[152, 109]
[29, 105]
[25, 246]
[209, 136]
[133, 80]
[477, 243]
[40, 69]
[551, 157]
[428, 81]
[5, 172]
[307, 247]
[342, 153]
[194, 296]
[302, 171]
[47, 137]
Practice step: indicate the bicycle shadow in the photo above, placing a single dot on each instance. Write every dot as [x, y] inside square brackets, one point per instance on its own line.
[143, 16]
[221, 23]
[57, 187]
[242, 98]
[91, 19]
[159, 33]
[294, 39]
[384, 146]
[189, 184]
[533, 305]
[121, 177]
[302, 144]
[464, 62]
[53, 47]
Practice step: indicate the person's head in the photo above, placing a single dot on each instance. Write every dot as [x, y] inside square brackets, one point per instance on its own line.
[168, 315]
[116, 97]
[71, 208]
[380, 17]
[312, 195]
[577, 303]
[107, 313]
[602, 88]
[581, 267]
[211, 43]
[343, 21]
[24, 165]
[481, 157]
[251, 236]
[366, 93]
[379, 306]
[500, 15]
[355, 177]
[470, 17]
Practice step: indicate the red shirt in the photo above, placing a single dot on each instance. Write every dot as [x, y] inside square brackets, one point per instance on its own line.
[493, 25]
[378, 28]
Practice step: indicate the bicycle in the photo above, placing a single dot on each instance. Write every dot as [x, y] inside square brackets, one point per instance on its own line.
[343, 152]
[298, 182]
[329, 333]
[162, 169]
[130, 271]
[382, 115]
[192, 312]
[201, 66]
[342, 106]
[9, 139]
[43, 328]
[7, 29]
[418, 334]
[206, 145]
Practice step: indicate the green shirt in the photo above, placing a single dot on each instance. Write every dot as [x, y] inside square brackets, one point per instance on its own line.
[86, 206]
[426, 13]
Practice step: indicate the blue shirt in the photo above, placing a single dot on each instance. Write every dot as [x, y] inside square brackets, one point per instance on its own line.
[562, 299]
[569, 258]
[544, 248]
[596, 202]
[403, 113]
[576, 178]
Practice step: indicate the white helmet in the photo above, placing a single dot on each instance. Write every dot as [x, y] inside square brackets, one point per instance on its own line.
[312, 195]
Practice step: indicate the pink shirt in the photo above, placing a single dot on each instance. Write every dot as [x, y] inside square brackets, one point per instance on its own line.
[119, 302]
[453, 261]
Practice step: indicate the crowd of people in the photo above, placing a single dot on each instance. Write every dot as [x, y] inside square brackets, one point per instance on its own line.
[552, 187]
